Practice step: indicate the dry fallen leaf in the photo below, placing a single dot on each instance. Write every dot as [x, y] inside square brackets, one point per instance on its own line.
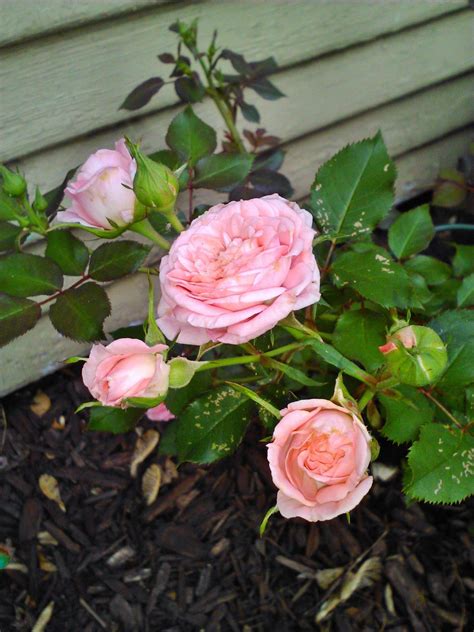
[328, 576]
[151, 482]
[44, 618]
[368, 573]
[41, 404]
[121, 557]
[45, 565]
[50, 488]
[169, 471]
[143, 448]
[46, 539]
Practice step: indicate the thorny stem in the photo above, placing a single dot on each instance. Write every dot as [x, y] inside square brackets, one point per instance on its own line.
[325, 267]
[441, 407]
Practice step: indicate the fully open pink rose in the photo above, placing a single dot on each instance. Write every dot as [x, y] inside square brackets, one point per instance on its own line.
[406, 336]
[98, 192]
[318, 460]
[126, 368]
[238, 269]
[159, 413]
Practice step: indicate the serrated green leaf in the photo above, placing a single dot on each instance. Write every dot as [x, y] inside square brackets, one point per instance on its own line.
[433, 270]
[442, 465]
[113, 420]
[222, 170]
[375, 276]
[405, 414]
[456, 329]
[359, 334]
[8, 235]
[466, 292]
[17, 316]
[114, 260]
[190, 137]
[69, 252]
[29, 275]
[353, 191]
[463, 260]
[212, 426]
[79, 313]
[411, 232]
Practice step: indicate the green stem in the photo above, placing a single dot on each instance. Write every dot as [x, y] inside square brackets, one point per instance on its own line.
[443, 408]
[223, 107]
[388, 383]
[442, 227]
[146, 229]
[247, 359]
[365, 399]
[175, 223]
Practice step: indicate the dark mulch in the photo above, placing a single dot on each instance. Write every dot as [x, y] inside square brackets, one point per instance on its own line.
[193, 560]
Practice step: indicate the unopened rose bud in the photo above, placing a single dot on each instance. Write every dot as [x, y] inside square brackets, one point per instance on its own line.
[13, 183]
[40, 204]
[415, 355]
[155, 185]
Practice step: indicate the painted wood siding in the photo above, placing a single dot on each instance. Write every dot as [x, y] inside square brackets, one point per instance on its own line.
[348, 68]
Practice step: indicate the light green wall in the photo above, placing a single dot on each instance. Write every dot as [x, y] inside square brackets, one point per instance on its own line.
[348, 68]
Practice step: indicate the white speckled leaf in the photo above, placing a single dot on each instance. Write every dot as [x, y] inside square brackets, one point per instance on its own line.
[353, 191]
[442, 465]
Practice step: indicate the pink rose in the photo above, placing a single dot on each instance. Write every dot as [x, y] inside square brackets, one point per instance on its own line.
[406, 336]
[238, 269]
[318, 460]
[98, 192]
[160, 413]
[126, 368]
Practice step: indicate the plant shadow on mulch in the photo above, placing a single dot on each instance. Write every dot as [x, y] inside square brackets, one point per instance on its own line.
[193, 560]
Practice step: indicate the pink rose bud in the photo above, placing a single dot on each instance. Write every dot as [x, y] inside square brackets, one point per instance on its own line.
[160, 413]
[319, 459]
[238, 270]
[405, 335]
[124, 369]
[103, 190]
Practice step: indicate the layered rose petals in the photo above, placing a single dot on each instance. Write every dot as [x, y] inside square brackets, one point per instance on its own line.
[237, 271]
[318, 459]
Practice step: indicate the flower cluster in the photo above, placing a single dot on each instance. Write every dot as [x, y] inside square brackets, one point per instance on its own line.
[238, 270]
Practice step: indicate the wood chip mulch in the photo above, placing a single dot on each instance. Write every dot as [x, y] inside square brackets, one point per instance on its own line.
[193, 559]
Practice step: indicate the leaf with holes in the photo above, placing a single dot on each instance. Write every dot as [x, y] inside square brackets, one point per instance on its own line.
[375, 275]
[29, 275]
[212, 426]
[80, 312]
[17, 316]
[406, 411]
[411, 232]
[353, 191]
[190, 137]
[69, 252]
[114, 260]
[142, 94]
[441, 465]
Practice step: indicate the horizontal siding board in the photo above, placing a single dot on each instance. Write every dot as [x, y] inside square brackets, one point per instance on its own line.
[410, 122]
[417, 170]
[24, 19]
[58, 88]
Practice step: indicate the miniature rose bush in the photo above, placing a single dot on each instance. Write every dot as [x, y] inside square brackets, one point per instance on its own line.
[265, 305]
